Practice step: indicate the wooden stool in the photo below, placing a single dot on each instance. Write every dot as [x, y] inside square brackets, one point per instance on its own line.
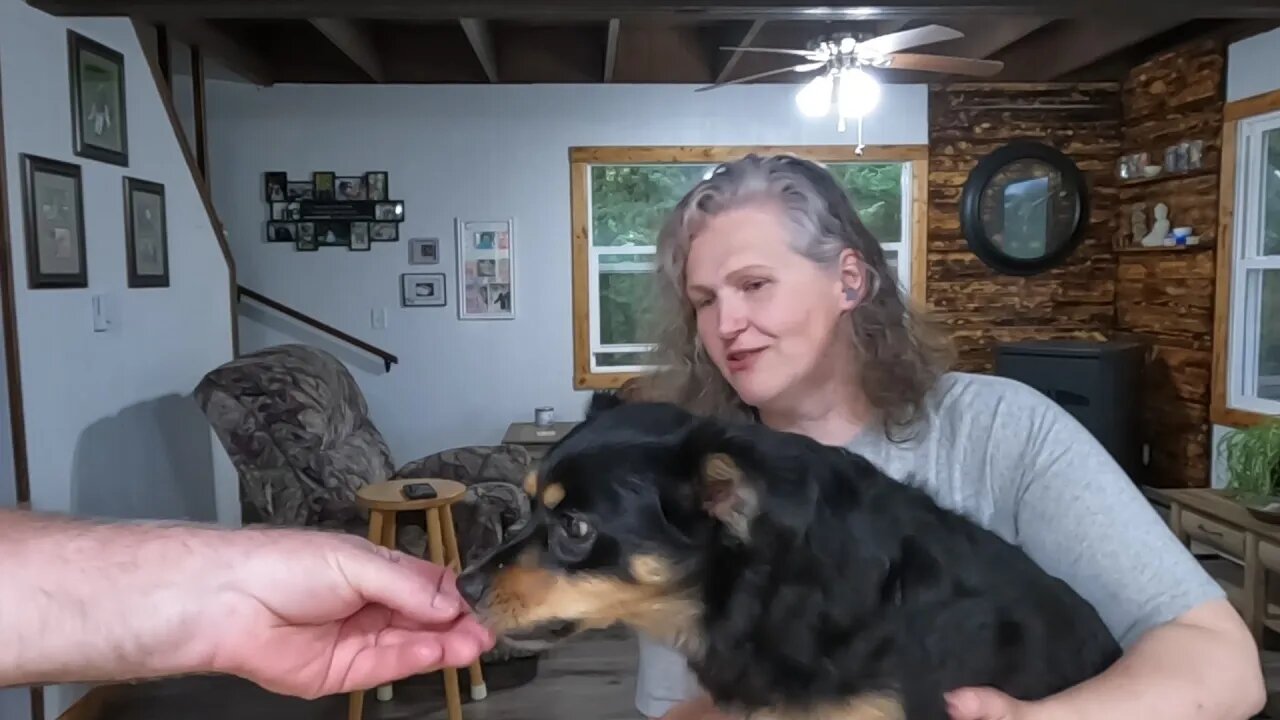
[384, 501]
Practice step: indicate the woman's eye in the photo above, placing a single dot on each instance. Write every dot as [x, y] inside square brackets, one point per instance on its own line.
[752, 285]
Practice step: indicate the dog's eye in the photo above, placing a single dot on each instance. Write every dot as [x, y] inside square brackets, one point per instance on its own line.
[576, 528]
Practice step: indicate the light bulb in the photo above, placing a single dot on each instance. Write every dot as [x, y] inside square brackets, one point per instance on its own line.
[814, 99]
[858, 93]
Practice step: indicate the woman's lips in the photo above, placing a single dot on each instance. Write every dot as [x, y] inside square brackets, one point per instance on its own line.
[742, 360]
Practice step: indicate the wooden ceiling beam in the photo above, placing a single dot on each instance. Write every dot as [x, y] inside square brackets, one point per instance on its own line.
[611, 49]
[226, 50]
[481, 39]
[1073, 44]
[355, 42]
[702, 10]
[726, 70]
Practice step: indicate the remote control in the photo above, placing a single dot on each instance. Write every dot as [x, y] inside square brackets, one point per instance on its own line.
[418, 491]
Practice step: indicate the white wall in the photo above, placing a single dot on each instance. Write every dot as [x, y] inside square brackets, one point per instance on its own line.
[479, 152]
[111, 428]
[1251, 70]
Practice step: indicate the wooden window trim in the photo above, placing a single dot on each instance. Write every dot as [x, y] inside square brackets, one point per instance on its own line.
[1220, 413]
[581, 159]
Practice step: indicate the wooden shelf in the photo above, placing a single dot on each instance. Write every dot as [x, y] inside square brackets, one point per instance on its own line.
[1163, 248]
[1167, 177]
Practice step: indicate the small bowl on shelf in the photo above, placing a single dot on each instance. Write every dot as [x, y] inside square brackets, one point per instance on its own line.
[1151, 171]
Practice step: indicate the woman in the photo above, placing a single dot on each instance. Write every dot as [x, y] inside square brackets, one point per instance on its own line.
[785, 310]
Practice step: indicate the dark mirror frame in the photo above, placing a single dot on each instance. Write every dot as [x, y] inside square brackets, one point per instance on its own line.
[975, 231]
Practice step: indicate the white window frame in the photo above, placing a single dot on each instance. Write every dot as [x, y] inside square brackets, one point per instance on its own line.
[1246, 263]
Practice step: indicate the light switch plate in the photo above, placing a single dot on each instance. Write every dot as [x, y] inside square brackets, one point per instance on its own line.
[103, 316]
[379, 318]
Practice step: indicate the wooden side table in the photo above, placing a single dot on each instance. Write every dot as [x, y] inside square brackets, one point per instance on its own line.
[384, 502]
[537, 440]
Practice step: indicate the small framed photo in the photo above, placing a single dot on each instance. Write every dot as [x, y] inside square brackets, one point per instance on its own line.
[277, 184]
[486, 267]
[98, 108]
[307, 233]
[423, 290]
[333, 234]
[293, 211]
[388, 211]
[424, 251]
[285, 232]
[322, 184]
[350, 188]
[53, 213]
[306, 245]
[146, 233]
[360, 236]
[376, 185]
[300, 190]
[279, 211]
[384, 231]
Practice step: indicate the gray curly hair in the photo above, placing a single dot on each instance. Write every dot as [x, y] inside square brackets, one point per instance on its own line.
[902, 353]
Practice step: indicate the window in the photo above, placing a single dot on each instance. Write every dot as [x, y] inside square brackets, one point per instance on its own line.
[1247, 375]
[621, 196]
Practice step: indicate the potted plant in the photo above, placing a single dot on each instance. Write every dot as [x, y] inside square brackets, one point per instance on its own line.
[1252, 460]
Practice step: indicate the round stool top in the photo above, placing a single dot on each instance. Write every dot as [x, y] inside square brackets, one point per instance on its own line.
[386, 495]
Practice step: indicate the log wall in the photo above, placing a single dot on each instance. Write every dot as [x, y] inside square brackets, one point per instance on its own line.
[1107, 289]
[978, 305]
[1164, 297]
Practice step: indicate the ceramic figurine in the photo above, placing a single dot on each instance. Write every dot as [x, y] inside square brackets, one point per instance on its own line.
[1160, 229]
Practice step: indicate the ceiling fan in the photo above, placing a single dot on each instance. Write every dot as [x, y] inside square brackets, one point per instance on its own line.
[844, 83]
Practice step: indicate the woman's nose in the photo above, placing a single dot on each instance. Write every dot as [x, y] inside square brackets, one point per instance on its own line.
[732, 319]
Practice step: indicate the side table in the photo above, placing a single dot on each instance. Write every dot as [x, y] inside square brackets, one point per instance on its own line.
[384, 502]
[537, 440]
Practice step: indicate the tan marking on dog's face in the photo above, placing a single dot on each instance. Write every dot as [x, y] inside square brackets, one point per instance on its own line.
[867, 706]
[552, 496]
[523, 596]
[727, 494]
[530, 484]
[650, 569]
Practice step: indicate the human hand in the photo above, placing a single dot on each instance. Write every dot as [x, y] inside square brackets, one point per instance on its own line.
[984, 703]
[315, 613]
[700, 707]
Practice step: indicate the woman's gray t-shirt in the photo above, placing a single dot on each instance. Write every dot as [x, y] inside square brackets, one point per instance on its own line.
[1013, 460]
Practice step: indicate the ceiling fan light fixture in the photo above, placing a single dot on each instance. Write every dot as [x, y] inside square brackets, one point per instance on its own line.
[857, 93]
[814, 99]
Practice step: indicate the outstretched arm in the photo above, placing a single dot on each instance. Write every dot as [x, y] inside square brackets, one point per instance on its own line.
[299, 612]
[1188, 654]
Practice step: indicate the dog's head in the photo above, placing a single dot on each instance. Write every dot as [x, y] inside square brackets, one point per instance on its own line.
[626, 509]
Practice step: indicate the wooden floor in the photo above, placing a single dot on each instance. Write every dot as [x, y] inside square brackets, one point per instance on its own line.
[590, 678]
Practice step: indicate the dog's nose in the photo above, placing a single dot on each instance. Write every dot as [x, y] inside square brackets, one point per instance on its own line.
[473, 585]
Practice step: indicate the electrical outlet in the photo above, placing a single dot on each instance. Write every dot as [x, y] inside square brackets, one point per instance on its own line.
[102, 313]
[379, 318]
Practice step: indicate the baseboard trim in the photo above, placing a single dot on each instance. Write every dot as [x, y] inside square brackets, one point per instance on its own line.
[91, 706]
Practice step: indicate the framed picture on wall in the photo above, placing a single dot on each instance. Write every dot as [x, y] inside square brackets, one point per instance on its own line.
[423, 290]
[146, 233]
[53, 213]
[98, 108]
[424, 251]
[486, 269]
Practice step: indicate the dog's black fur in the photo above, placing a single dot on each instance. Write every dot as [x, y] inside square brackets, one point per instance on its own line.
[813, 577]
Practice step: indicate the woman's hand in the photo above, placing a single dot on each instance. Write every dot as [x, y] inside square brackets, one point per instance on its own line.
[312, 614]
[696, 708]
[983, 703]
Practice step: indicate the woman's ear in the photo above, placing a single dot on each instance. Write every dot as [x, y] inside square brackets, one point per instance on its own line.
[853, 280]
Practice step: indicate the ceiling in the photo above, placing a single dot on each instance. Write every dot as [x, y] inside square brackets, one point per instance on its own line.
[597, 41]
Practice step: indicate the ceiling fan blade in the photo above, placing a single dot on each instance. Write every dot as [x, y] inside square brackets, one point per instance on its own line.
[802, 67]
[903, 39]
[944, 64]
[808, 54]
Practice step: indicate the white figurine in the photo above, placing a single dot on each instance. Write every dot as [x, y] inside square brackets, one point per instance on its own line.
[1159, 229]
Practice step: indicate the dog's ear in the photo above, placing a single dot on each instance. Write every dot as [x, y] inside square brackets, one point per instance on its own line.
[602, 400]
[728, 494]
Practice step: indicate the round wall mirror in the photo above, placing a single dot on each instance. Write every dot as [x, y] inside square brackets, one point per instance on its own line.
[1024, 208]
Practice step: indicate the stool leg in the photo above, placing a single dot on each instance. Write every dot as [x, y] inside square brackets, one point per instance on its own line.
[355, 702]
[479, 690]
[435, 545]
[388, 539]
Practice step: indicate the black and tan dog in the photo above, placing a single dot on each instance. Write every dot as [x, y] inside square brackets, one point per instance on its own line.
[799, 580]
